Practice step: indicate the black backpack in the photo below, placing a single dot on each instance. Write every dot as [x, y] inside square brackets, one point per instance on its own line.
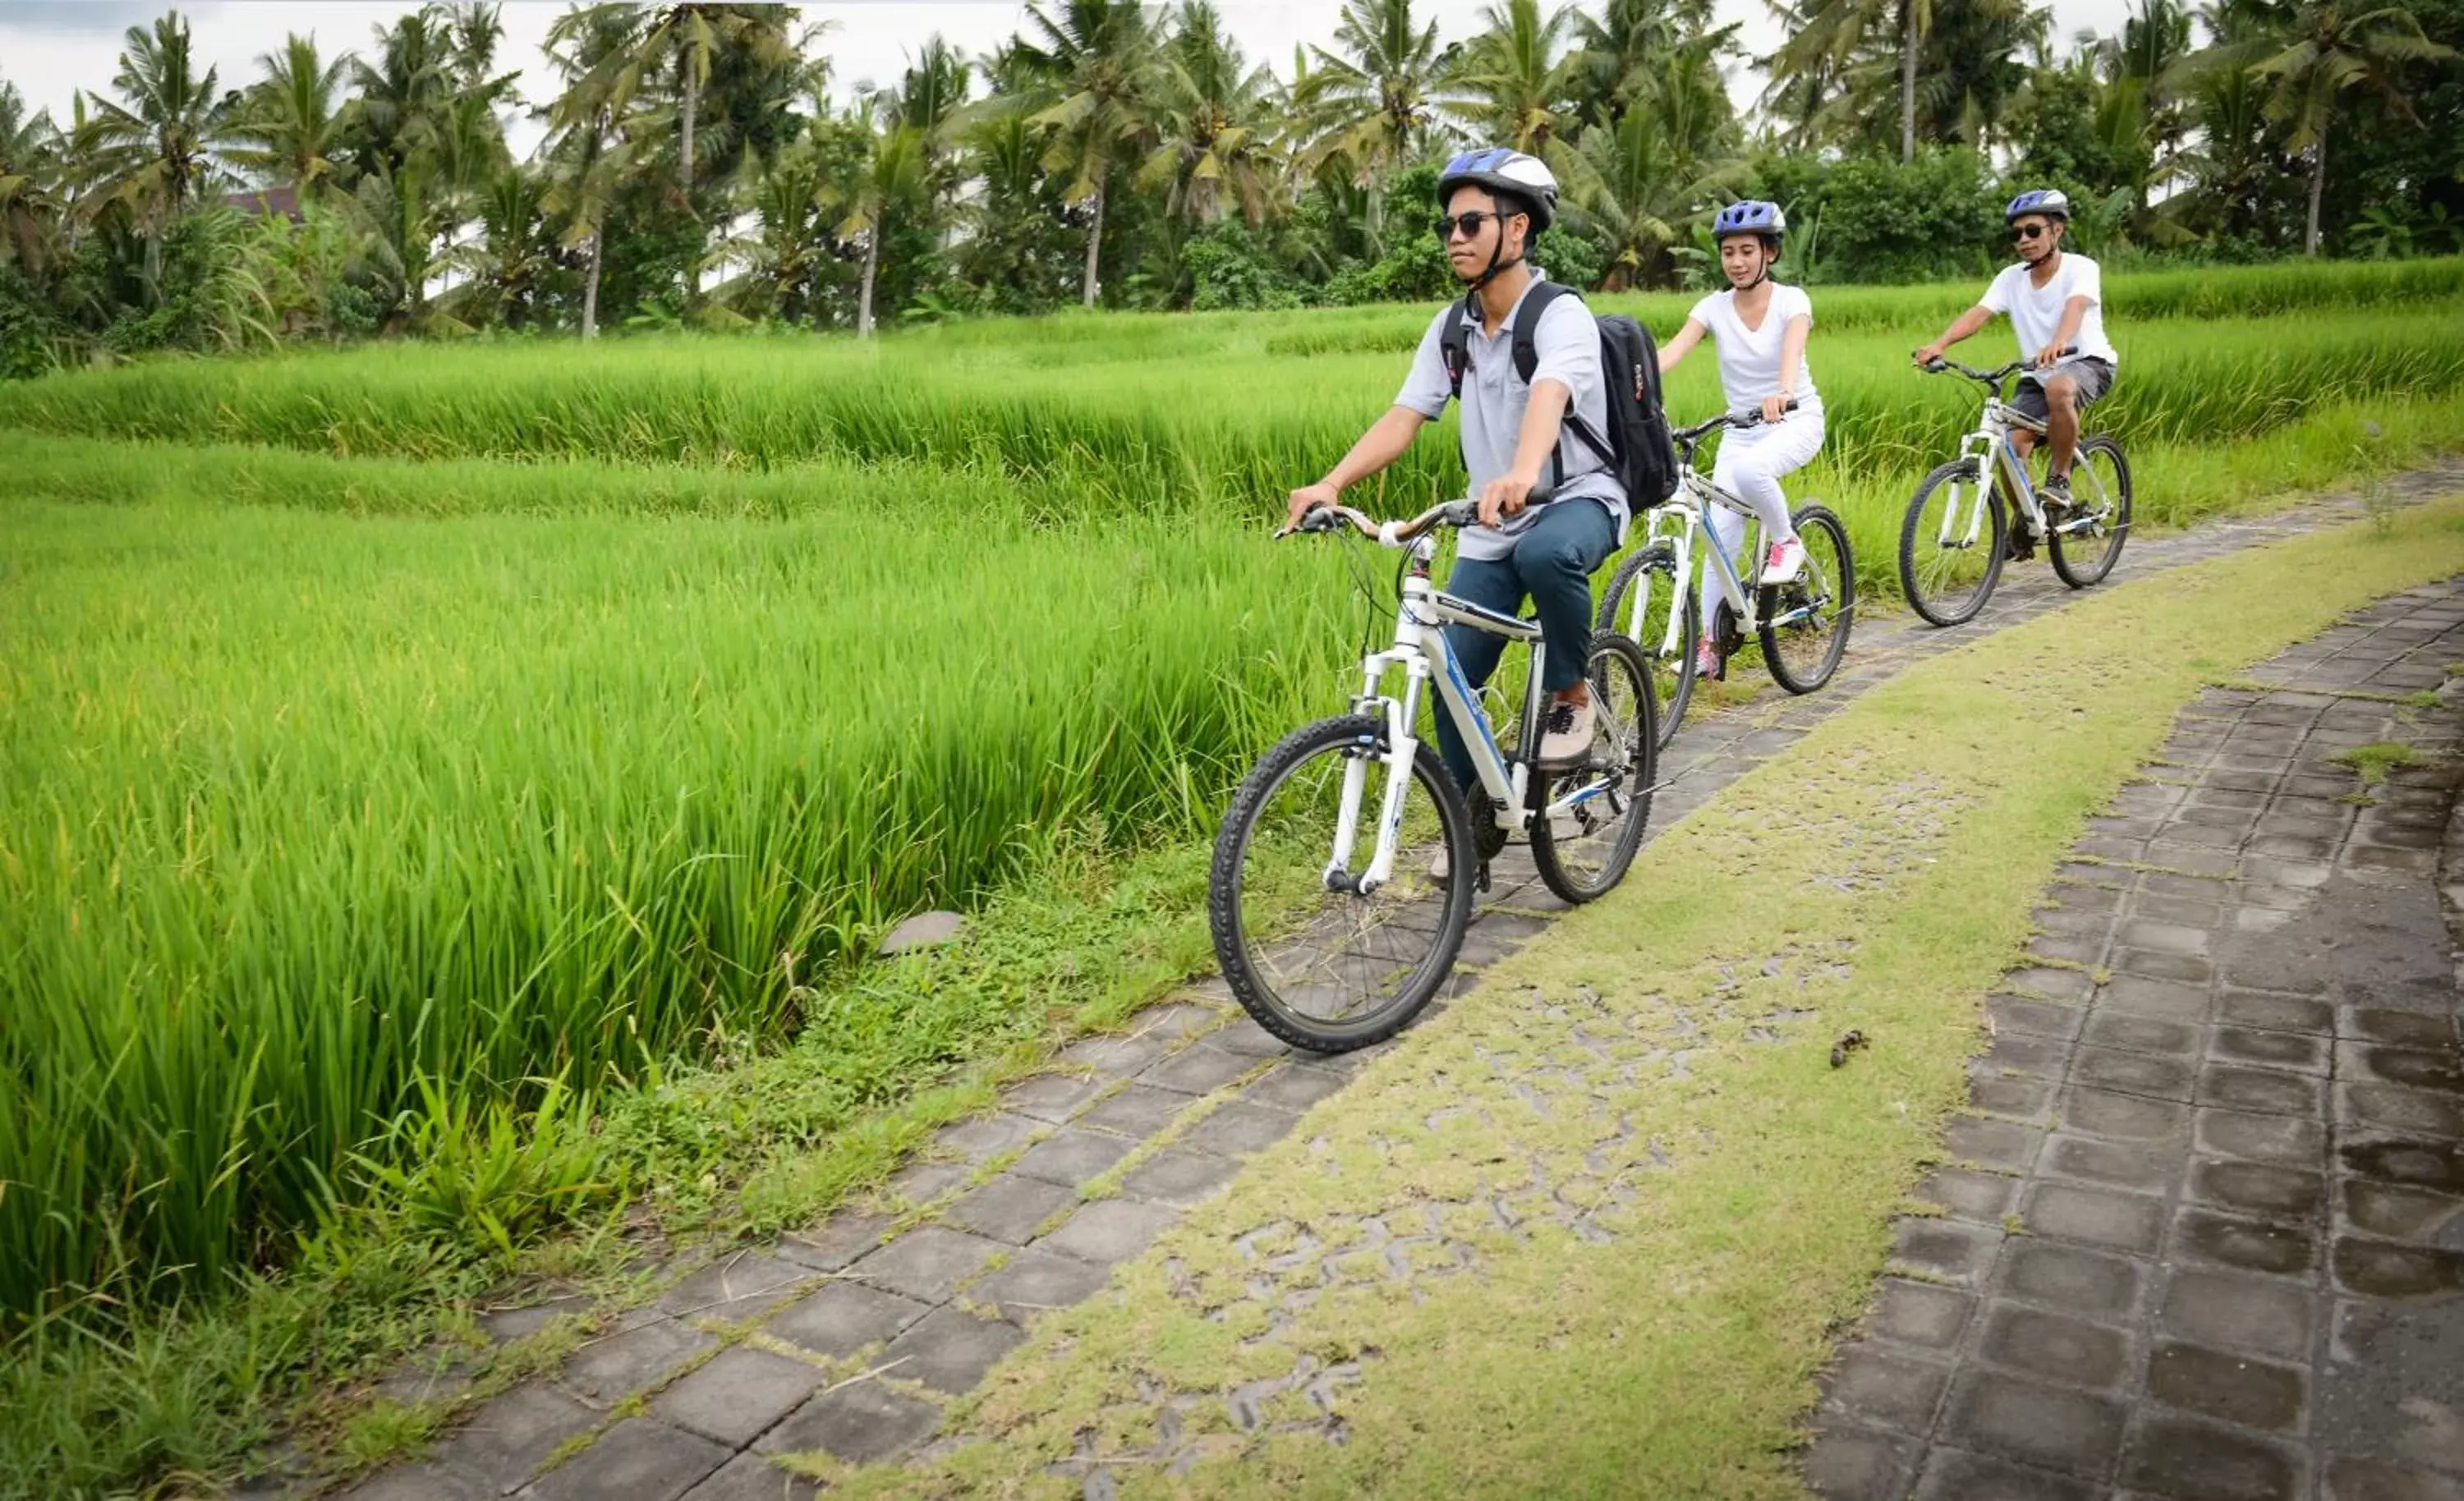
[1636, 447]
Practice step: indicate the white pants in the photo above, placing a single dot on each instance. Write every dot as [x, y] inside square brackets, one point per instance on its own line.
[1750, 462]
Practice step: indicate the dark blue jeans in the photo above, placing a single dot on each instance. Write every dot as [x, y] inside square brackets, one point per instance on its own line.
[1552, 564]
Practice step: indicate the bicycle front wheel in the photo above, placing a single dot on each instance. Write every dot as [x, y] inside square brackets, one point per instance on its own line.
[1949, 554]
[1805, 623]
[2088, 542]
[1641, 595]
[1319, 964]
[1588, 821]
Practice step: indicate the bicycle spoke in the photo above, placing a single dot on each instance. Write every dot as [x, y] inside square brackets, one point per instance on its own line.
[1320, 959]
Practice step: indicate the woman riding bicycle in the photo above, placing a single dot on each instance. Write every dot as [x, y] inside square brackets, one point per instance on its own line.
[1760, 327]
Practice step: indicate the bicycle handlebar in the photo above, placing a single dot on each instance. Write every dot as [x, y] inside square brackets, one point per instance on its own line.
[1399, 533]
[1993, 378]
[1740, 420]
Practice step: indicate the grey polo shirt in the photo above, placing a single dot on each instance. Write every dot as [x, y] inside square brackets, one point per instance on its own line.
[1568, 344]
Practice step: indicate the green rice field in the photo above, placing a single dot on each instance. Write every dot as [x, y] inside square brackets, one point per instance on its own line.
[471, 717]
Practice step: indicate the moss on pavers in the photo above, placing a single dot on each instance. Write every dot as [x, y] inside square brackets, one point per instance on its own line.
[1596, 1221]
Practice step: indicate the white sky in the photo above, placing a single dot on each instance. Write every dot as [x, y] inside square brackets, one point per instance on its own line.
[52, 49]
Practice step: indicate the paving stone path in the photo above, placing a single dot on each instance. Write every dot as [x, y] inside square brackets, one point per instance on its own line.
[2201, 1234]
[848, 1337]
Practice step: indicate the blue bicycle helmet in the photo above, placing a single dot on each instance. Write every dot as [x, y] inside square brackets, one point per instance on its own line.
[1503, 169]
[1753, 216]
[2049, 201]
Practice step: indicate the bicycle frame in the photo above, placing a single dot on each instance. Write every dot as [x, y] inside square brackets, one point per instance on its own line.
[1422, 653]
[1992, 439]
[1680, 521]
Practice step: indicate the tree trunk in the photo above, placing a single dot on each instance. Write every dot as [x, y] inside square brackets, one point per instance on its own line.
[590, 290]
[864, 300]
[692, 105]
[1909, 85]
[2318, 186]
[1094, 245]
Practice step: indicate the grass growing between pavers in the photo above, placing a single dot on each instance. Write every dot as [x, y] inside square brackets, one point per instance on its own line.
[1593, 1227]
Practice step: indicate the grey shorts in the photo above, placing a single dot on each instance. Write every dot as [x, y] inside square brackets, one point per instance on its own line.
[2094, 377]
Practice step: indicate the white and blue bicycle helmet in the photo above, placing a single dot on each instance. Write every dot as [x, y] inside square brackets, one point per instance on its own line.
[1503, 169]
[2051, 202]
[1753, 216]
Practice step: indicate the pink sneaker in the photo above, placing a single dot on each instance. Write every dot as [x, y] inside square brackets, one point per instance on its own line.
[1785, 561]
[1706, 660]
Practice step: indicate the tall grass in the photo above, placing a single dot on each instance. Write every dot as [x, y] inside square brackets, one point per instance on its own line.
[1156, 435]
[302, 808]
[420, 718]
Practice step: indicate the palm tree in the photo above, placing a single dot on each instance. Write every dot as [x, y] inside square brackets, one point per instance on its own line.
[1831, 34]
[1211, 106]
[31, 204]
[2329, 51]
[1376, 103]
[1618, 50]
[682, 41]
[404, 90]
[587, 157]
[893, 178]
[1519, 70]
[779, 253]
[503, 266]
[154, 152]
[1097, 59]
[1634, 189]
[289, 127]
[932, 99]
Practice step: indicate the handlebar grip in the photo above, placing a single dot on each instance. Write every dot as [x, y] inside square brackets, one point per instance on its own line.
[1460, 514]
[1540, 495]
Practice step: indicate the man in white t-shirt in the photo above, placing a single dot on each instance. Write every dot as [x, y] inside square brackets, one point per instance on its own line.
[2055, 304]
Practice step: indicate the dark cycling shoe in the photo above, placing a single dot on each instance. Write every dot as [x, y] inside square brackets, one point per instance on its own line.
[2020, 546]
[2055, 496]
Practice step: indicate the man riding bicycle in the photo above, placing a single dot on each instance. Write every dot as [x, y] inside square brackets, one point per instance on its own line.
[1493, 202]
[2056, 303]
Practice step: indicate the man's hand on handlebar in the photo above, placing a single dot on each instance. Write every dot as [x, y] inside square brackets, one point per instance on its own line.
[1308, 498]
[1776, 407]
[2050, 356]
[1928, 357]
[1505, 496]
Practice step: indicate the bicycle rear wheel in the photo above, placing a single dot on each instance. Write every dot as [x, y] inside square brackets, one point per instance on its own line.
[1603, 807]
[1649, 578]
[2088, 542]
[1805, 623]
[1325, 969]
[1946, 574]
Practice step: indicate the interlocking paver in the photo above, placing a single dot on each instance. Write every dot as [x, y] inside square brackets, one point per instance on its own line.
[2242, 1223]
[736, 1394]
[639, 1459]
[844, 1317]
[950, 1349]
[1010, 1209]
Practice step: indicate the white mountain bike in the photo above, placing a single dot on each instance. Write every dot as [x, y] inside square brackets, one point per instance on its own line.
[1651, 597]
[1954, 539]
[1330, 925]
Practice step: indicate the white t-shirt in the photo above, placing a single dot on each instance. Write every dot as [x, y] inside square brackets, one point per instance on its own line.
[2036, 311]
[1750, 356]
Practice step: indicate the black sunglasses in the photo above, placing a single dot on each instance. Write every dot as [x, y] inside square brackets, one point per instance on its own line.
[1468, 222]
[2029, 232]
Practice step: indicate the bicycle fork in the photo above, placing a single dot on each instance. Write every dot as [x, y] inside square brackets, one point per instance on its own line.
[1400, 714]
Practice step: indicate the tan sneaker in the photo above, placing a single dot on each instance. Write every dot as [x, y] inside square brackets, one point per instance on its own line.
[1567, 741]
[1440, 869]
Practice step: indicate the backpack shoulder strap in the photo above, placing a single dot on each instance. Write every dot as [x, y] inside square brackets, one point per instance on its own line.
[1454, 344]
[1527, 359]
[1526, 324]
